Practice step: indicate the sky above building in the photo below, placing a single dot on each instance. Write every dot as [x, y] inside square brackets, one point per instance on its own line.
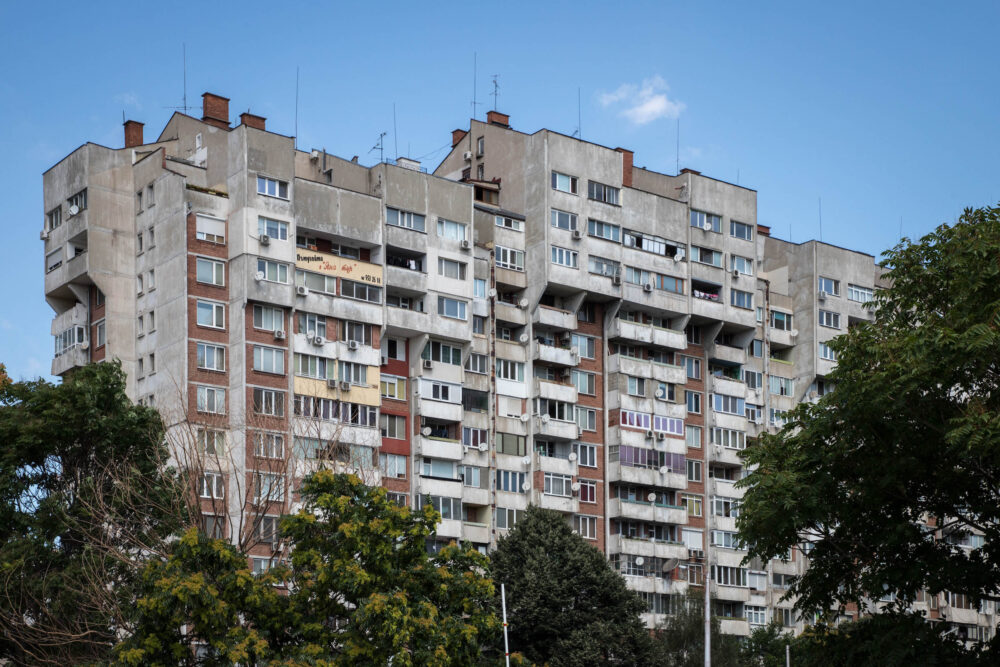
[856, 122]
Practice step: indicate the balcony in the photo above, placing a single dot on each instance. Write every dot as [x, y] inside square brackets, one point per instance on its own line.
[555, 429]
[401, 237]
[449, 528]
[639, 333]
[74, 317]
[732, 593]
[475, 496]
[478, 533]
[726, 420]
[437, 486]
[554, 318]
[734, 626]
[410, 281]
[648, 548]
[728, 386]
[675, 340]
[74, 357]
[556, 391]
[441, 448]
[669, 373]
[353, 309]
[726, 353]
[564, 504]
[781, 338]
[406, 322]
[511, 278]
[560, 356]
[646, 476]
[646, 511]
[507, 349]
[555, 465]
[506, 312]
[449, 412]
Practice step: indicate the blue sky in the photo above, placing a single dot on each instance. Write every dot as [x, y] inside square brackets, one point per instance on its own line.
[886, 111]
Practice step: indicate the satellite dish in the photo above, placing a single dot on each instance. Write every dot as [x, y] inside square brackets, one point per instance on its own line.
[525, 486]
[483, 446]
[639, 560]
[526, 460]
[259, 276]
[493, 292]
[523, 338]
[572, 456]
[664, 470]
[651, 497]
[661, 393]
[523, 303]
[679, 256]
[545, 419]
[426, 430]
[73, 210]
[670, 564]
[524, 417]
[576, 486]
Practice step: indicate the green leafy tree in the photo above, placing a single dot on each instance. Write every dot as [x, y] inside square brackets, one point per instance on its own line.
[565, 605]
[906, 449]
[85, 497]
[680, 641]
[765, 647]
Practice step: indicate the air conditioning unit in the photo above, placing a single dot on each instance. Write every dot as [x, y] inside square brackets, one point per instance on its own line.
[466, 244]
[279, 334]
[696, 554]
[616, 279]
[265, 239]
[428, 364]
[314, 155]
[318, 340]
[648, 287]
[661, 436]
[302, 290]
[385, 360]
[577, 234]
[649, 434]
[345, 385]
[822, 295]
[353, 345]
[736, 273]
[758, 420]
[259, 276]
[44, 235]
[467, 156]
[331, 383]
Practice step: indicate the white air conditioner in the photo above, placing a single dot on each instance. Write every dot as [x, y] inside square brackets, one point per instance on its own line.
[353, 345]
[265, 239]
[331, 383]
[279, 334]
[318, 340]
[73, 210]
[483, 446]
[302, 290]
[44, 235]
[736, 273]
[661, 436]
[466, 244]
[696, 554]
[345, 385]
[822, 295]
[428, 364]
[649, 434]
[259, 276]
[616, 279]
[648, 287]
[467, 156]
[577, 234]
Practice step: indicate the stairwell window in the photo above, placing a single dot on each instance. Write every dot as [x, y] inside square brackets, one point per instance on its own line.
[270, 187]
[603, 193]
[564, 182]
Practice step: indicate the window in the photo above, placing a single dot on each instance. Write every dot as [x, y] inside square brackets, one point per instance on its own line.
[138, 243]
[478, 287]
[510, 481]
[693, 401]
[212, 485]
[585, 383]
[396, 348]
[637, 276]
[604, 230]
[706, 256]
[54, 260]
[732, 405]
[139, 369]
[270, 187]
[829, 285]
[452, 308]
[359, 332]
[211, 399]
[693, 334]
[441, 391]
[781, 321]
[471, 476]
[586, 418]
[828, 318]
[692, 503]
[586, 454]
[392, 466]
[276, 229]
[269, 402]
[729, 438]
[360, 291]
[269, 445]
[211, 442]
[393, 387]
[563, 220]
[510, 370]
[449, 268]
[359, 415]
[730, 576]
[586, 346]
[565, 257]
[634, 419]
[210, 271]
[393, 426]
[781, 386]
[101, 334]
[307, 365]
[54, 217]
[268, 487]
[603, 193]
[668, 283]
[79, 200]
[742, 264]
[693, 367]
[586, 526]
[756, 348]
[139, 327]
[268, 360]
[267, 532]
[451, 230]
[273, 272]
[214, 526]
[558, 485]
[602, 266]
[355, 373]
[211, 314]
[741, 299]
[506, 518]
[726, 539]
[636, 386]
[564, 183]
[722, 506]
[269, 318]
[448, 508]
[740, 230]
[508, 258]
[827, 352]
[211, 357]
[692, 436]
[509, 223]
[443, 352]
[859, 293]
[508, 443]
[693, 470]
[138, 284]
[151, 280]
[706, 221]
[478, 363]
[316, 282]
[398, 218]
[311, 324]
[210, 229]
[480, 146]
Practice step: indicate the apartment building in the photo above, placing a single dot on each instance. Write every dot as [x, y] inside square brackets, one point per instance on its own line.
[538, 321]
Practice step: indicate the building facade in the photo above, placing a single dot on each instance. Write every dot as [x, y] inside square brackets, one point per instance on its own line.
[538, 321]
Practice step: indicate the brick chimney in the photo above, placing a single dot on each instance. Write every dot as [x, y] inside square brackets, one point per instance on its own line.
[252, 120]
[627, 156]
[497, 118]
[457, 136]
[685, 170]
[133, 133]
[215, 110]
[763, 230]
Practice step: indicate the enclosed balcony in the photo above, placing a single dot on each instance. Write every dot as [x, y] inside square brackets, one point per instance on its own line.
[550, 354]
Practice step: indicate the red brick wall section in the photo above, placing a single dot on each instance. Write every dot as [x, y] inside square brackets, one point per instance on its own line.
[627, 157]
[215, 110]
[133, 133]
[596, 365]
[252, 120]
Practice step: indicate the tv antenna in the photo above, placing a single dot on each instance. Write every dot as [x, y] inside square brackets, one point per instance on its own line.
[184, 104]
[579, 123]
[378, 146]
[820, 219]
[496, 91]
[475, 67]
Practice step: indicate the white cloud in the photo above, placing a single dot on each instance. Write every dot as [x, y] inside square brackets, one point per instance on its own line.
[643, 103]
[128, 100]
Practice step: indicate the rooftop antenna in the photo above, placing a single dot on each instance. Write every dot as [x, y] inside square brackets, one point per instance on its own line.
[184, 104]
[378, 146]
[496, 91]
[296, 106]
[677, 152]
[395, 134]
[820, 219]
[475, 66]
[579, 123]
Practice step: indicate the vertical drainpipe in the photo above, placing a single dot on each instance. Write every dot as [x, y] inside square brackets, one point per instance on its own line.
[491, 340]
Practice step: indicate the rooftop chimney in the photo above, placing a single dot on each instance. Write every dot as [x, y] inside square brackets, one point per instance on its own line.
[497, 118]
[133, 133]
[457, 136]
[627, 156]
[252, 120]
[215, 110]
[763, 230]
[685, 170]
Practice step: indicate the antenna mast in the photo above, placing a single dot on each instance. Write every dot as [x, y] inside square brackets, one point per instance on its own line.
[378, 146]
[395, 134]
[184, 61]
[296, 106]
[678, 150]
[820, 219]
[496, 91]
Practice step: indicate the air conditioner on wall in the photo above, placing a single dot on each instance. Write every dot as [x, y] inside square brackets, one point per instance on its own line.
[353, 345]
[302, 290]
[265, 239]
[279, 334]
[577, 234]
[318, 340]
[428, 364]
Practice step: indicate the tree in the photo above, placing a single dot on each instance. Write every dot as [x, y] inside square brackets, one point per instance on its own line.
[680, 641]
[765, 647]
[565, 605]
[85, 497]
[885, 474]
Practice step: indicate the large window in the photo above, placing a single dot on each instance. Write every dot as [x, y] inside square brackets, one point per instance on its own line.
[443, 352]
[859, 293]
[212, 485]
[319, 368]
[508, 443]
[728, 438]
[510, 370]
[741, 299]
[211, 399]
[730, 576]
[448, 508]
[451, 230]
[829, 286]
[827, 352]
[393, 426]
[586, 346]
[316, 282]
[563, 219]
[393, 387]
[740, 230]
[359, 332]
[564, 183]
[603, 193]
[355, 373]
[211, 315]
[211, 357]
[268, 360]
[268, 318]
[269, 402]
[452, 308]
[828, 318]
[405, 219]
[449, 268]
[732, 405]
[585, 382]
[509, 223]
[360, 291]
[269, 445]
[558, 485]
[268, 487]
[565, 257]
[508, 258]
[603, 230]
[274, 272]
[392, 466]
[276, 229]
[706, 221]
[602, 266]
[510, 481]
[742, 264]
[586, 418]
[781, 321]
[271, 187]
[706, 256]
[586, 454]
[210, 271]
